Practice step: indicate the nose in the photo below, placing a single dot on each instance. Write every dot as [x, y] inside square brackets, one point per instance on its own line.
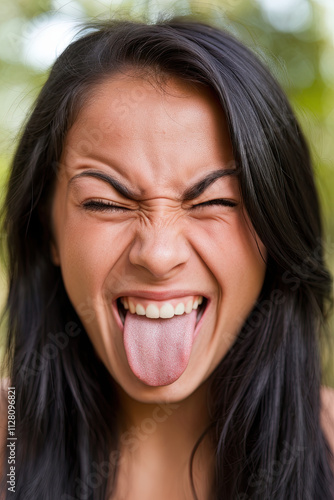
[160, 250]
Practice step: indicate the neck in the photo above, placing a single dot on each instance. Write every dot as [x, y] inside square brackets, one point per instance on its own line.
[161, 438]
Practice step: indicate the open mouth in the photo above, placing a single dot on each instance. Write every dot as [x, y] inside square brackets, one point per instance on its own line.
[166, 310]
[157, 350]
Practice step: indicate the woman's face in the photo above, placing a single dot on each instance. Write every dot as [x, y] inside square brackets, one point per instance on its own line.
[157, 254]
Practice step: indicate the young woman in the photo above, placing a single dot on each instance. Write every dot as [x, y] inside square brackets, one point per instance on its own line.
[167, 282]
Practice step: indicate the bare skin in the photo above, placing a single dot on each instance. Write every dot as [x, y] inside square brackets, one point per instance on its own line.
[156, 444]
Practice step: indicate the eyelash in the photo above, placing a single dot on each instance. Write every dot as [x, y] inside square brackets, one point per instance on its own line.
[103, 206]
[218, 201]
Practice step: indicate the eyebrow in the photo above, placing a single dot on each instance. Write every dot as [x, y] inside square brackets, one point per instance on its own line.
[197, 189]
[121, 188]
[189, 194]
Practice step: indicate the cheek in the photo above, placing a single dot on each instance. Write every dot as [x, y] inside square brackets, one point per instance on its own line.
[230, 249]
[236, 260]
[88, 251]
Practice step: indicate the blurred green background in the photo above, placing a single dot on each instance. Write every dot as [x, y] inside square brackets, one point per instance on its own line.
[295, 38]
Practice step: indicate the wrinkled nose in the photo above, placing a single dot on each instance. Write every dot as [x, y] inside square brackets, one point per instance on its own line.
[160, 251]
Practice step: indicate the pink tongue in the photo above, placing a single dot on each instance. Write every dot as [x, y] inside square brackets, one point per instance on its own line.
[158, 350]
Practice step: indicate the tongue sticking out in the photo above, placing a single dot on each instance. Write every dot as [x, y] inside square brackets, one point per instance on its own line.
[158, 350]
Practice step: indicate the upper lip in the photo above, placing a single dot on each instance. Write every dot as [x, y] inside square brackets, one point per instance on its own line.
[159, 295]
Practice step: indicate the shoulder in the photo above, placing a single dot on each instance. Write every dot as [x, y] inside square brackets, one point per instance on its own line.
[327, 414]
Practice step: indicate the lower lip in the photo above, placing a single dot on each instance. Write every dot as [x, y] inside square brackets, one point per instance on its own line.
[121, 326]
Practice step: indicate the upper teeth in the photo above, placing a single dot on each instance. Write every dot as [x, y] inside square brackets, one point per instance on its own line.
[166, 310]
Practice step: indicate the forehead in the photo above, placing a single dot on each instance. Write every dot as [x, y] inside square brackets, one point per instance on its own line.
[173, 131]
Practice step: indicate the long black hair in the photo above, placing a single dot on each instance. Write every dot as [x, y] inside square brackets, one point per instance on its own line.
[264, 399]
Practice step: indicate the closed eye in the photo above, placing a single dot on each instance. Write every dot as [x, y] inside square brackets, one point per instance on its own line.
[219, 201]
[105, 206]
[102, 206]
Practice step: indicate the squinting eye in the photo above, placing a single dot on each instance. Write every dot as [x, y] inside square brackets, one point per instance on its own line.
[102, 206]
[219, 201]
